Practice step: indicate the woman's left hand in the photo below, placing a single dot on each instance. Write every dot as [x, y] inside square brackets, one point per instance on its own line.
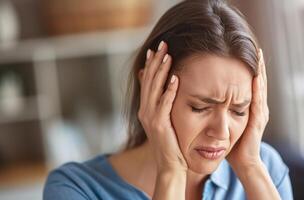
[246, 152]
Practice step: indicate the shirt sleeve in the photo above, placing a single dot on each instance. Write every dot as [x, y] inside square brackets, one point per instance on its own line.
[278, 171]
[58, 186]
[284, 187]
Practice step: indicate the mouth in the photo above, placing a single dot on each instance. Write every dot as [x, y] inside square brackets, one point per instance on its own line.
[211, 153]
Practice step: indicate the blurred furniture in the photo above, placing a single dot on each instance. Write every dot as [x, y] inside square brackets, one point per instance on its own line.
[65, 89]
[73, 16]
[60, 75]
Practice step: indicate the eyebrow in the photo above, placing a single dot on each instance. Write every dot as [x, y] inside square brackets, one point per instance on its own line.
[215, 101]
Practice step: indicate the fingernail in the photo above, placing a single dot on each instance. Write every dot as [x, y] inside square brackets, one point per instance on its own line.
[165, 58]
[173, 79]
[160, 46]
[148, 54]
[261, 55]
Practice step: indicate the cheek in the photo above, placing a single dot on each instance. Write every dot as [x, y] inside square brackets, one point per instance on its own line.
[188, 125]
[184, 123]
[236, 130]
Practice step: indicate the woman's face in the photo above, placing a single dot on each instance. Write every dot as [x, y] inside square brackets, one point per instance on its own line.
[211, 109]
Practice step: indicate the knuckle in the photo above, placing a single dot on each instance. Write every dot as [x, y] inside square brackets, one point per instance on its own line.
[147, 62]
[154, 85]
[139, 115]
[170, 90]
[142, 118]
[148, 76]
[260, 126]
[144, 122]
[158, 55]
[166, 99]
[267, 117]
[158, 101]
[159, 127]
[267, 120]
[155, 123]
[161, 68]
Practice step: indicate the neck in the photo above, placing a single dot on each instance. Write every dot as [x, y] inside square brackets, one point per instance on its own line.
[195, 184]
[147, 170]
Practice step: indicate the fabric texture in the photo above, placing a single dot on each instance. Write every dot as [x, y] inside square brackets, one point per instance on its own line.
[95, 179]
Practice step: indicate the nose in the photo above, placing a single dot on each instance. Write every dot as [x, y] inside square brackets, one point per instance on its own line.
[219, 127]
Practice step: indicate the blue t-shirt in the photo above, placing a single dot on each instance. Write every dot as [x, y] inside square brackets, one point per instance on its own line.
[97, 180]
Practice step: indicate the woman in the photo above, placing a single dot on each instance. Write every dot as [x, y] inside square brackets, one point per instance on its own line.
[197, 113]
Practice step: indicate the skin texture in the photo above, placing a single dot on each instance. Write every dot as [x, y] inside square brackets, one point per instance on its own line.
[202, 123]
[175, 130]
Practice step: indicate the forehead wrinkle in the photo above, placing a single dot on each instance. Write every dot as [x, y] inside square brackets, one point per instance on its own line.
[234, 95]
[241, 96]
[196, 77]
[231, 95]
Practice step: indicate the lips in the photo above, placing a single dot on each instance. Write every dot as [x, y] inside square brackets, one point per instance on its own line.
[211, 153]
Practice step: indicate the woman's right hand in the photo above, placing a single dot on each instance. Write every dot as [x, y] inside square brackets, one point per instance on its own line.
[155, 109]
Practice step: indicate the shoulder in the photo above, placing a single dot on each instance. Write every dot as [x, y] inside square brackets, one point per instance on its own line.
[93, 179]
[76, 170]
[75, 180]
[277, 169]
[274, 163]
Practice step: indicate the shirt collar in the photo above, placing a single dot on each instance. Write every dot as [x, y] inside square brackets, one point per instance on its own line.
[221, 176]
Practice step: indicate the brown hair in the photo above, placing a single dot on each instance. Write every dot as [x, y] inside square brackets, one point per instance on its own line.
[191, 27]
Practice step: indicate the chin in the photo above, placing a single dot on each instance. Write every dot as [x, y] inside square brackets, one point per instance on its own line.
[203, 166]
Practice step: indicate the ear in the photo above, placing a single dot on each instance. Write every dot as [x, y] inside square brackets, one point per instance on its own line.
[140, 75]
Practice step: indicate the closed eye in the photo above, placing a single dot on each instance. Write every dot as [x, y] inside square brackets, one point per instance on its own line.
[199, 110]
[239, 113]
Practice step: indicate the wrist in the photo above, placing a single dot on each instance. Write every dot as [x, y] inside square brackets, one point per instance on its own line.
[170, 184]
[171, 169]
[172, 176]
[171, 172]
[242, 165]
[249, 169]
[257, 181]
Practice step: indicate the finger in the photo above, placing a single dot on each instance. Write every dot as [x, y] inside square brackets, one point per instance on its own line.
[149, 58]
[259, 107]
[262, 64]
[263, 70]
[168, 97]
[263, 96]
[255, 107]
[256, 95]
[153, 66]
[161, 78]
[263, 90]
[260, 79]
[141, 75]
[144, 92]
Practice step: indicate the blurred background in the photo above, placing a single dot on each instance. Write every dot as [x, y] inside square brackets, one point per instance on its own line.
[63, 67]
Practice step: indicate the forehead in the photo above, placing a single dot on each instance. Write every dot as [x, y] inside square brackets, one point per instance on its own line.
[216, 75]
